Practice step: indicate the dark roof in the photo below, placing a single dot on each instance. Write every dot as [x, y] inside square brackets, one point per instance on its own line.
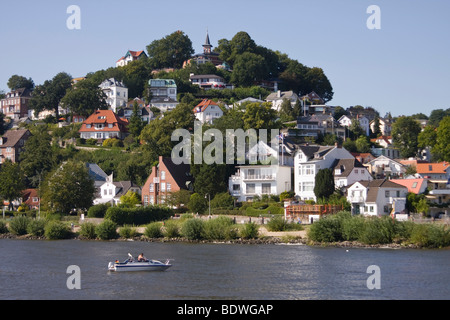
[12, 137]
[179, 172]
[346, 166]
[124, 187]
[374, 186]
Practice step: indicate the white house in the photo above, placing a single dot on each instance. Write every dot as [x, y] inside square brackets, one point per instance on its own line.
[208, 81]
[110, 191]
[206, 111]
[277, 98]
[383, 166]
[348, 171]
[308, 160]
[129, 57]
[164, 94]
[346, 121]
[116, 93]
[377, 197]
[256, 180]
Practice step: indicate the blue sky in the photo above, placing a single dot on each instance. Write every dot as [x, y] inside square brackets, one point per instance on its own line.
[404, 67]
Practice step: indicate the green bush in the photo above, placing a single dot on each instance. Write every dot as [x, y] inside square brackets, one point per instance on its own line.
[36, 227]
[138, 216]
[430, 236]
[97, 211]
[153, 230]
[277, 223]
[327, 229]
[55, 230]
[87, 230]
[3, 227]
[351, 227]
[221, 228]
[378, 230]
[19, 225]
[171, 229]
[106, 230]
[249, 231]
[127, 232]
[193, 229]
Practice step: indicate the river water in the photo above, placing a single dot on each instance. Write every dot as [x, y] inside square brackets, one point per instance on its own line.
[35, 270]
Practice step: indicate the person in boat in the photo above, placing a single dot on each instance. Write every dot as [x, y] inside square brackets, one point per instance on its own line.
[141, 258]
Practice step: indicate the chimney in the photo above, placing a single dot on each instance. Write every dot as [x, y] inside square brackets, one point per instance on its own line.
[279, 93]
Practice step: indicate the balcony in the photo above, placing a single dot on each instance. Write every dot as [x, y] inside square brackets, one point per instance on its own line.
[356, 199]
[263, 177]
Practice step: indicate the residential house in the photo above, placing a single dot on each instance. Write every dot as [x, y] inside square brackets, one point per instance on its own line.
[308, 160]
[206, 111]
[328, 125]
[377, 197]
[30, 197]
[12, 144]
[248, 100]
[348, 171]
[98, 175]
[385, 126]
[308, 127]
[383, 166]
[116, 93]
[434, 171]
[163, 94]
[110, 191]
[313, 98]
[417, 186]
[15, 104]
[439, 191]
[277, 98]
[347, 121]
[102, 125]
[129, 57]
[166, 177]
[208, 81]
[144, 111]
[363, 157]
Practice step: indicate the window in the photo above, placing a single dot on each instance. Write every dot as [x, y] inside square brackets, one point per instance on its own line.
[386, 193]
[370, 208]
[266, 187]
[163, 186]
[168, 187]
[152, 199]
[398, 194]
[308, 186]
[152, 187]
[145, 200]
[250, 188]
[163, 175]
[236, 187]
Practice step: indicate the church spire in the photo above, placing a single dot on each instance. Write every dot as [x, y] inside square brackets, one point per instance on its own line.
[207, 46]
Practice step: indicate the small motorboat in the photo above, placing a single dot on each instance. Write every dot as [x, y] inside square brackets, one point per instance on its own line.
[132, 264]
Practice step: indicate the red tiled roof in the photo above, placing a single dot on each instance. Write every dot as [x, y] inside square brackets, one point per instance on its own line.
[440, 167]
[203, 105]
[104, 117]
[413, 185]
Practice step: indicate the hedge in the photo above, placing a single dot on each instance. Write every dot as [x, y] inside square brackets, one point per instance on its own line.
[138, 216]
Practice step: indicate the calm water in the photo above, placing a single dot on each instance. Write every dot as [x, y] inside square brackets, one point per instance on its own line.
[37, 270]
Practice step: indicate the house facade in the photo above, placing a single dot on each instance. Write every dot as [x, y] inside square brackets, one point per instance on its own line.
[163, 94]
[116, 93]
[129, 57]
[308, 160]
[346, 121]
[15, 104]
[166, 177]
[383, 166]
[348, 171]
[208, 81]
[207, 111]
[102, 125]
[277, 98]
[110, 191]
[12, 144]
[377, 197]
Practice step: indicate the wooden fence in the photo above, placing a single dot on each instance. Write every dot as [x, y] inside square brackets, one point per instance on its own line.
[303, 211]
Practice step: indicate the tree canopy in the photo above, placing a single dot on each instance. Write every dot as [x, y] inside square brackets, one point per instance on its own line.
[170, 51]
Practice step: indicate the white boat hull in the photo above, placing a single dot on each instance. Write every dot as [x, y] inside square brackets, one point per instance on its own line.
[151, 265]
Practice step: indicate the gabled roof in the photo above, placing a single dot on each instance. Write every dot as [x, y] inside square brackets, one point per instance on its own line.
[12, 137]
[346, 167]
[440, 167]
[203, 105]
[413, 185]
[315, 152]
[312, 96]
[179, 172]
[280, 95]
[105, 117]
[386, 158]
[375, 185]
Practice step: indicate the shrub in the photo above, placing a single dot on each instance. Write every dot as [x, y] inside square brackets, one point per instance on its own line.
[19, 225]
[153, 230]
[97, 211]
[430, 236]
[277, 223]
[193, 229]
[3, 227]
[55, 230]
[36, 227]
[351, 227]
[138, 216]
[327, 229]
[171, 229]
[127, 232]
[250, 231]
[87, 230]
[378, 230]
[106, 230]
[221, 228]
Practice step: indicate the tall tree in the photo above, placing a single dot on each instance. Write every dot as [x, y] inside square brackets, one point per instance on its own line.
[441, 147]
[324, 184]
[260, 116]
[12, 181]
[136, 124]
[405, 133]
[170, 51]
[248, 68]
[16, 82]
[48, 95]
[84, 98]
[68, 187]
